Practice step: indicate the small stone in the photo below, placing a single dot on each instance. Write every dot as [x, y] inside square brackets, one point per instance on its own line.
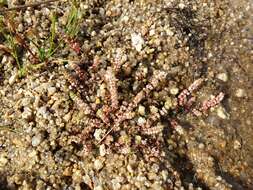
[141, 110]
[51, 90]
[26, 101]
[223, 77]
[181, 5]
[20, 27]
[87, 180]
[152, 32]
[130, 169]
[141, 121]
[43, 112]
[4, 59]
[201, 146]
[93, 33]
[13, 78]
[221, 112]
[174, 90]
[3, 160]
[137, 41]
[237, 145]
[99, 187]
[77, 176]
[153, 109]
[67, 171]
[102, 150]
[138, 139]
[168, 103]
[115, 184]
[67, 117]
[98, 164]
[36, 140]
[169, 32]
[98, 133]
[240, 93]
[164, 174]
[27, 113]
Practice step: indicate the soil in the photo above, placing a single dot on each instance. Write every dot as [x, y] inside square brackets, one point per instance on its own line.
[126, 94]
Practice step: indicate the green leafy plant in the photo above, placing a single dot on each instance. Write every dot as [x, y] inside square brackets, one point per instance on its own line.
[12, 46]
[44, 52]
[72, 26]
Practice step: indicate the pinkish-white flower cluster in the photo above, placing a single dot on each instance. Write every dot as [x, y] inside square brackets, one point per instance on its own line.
[117, 60]
[207, 104]
[113, 88]
[182, 98]
[187, 103]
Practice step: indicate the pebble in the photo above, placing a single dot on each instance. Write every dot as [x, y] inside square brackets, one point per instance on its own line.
[37, 139]
[98, 164]
[137, 41]
[20, 27]
[141, 110]
[174, 90]
[98, 134]
[168, 103]
[221, 113]
[43, 111]
[3, 161]
[115, 184]
[99, 187]
[153, 109]
[67, 171]
[181, 5]
[237, 145]
[152, 32]
[141, 121]
[223, 77]
[102, 150]
[51, 90]
[130, 169]
[240, 93]
[27, 113]
[77, 176]
[13, 78]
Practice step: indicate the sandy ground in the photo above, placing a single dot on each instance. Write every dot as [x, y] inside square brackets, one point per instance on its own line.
[126, 95]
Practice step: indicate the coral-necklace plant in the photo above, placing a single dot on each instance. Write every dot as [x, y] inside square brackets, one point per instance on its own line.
[117, 111]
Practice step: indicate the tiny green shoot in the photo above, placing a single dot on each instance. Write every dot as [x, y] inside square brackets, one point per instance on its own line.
[72, 26]
[10, 40]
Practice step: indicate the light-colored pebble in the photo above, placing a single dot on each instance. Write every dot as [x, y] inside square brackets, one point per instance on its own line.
[51, 90]
[174, 90]
[153, 109]
[99, 187]
[98, 134]
[115, 184]
[13, 78]
[168, 103]
[98, 164]
[237, 145]
[137, 41]
[27, 113]
[102, 150]
[221, 112]
[3, 160]
[141, 121]
[141, 110]
[43, 112]
[223, 77]
[37, 139]
[240, 93]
